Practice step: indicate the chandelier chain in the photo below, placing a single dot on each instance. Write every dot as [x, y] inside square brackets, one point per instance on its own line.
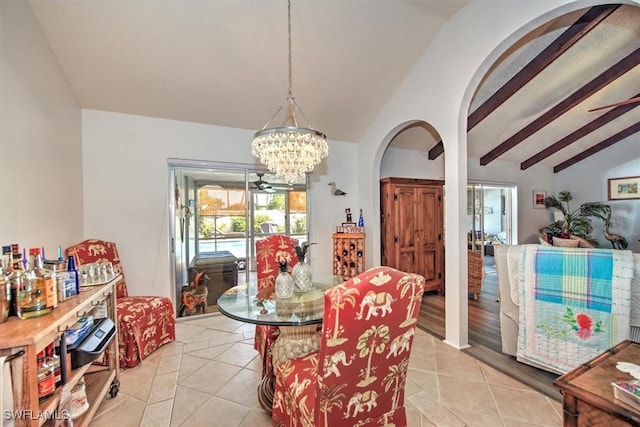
[290, 151]
[289, 38]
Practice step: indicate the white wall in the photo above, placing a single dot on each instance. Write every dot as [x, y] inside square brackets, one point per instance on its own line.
[40, 139]
[402, 163]
[126, 187]
[587, 182]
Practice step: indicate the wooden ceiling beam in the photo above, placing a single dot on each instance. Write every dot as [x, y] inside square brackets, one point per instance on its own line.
[598, 147]
[568, 38]
[609, 75]
[436, 150]
[576, 135]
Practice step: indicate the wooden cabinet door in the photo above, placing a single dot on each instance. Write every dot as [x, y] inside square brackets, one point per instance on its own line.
[406, 229]
[428, 248]
[412, 228]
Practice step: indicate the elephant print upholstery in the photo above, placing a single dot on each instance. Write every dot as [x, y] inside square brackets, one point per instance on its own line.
[358, 374]
[96, 249]
[269, 252]
[374, 302]
[332, 360]
[144, 322]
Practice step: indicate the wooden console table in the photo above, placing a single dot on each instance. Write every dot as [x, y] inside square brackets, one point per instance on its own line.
[588, 398]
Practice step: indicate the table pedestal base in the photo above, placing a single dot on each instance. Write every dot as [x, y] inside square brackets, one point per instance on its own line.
[295, 341]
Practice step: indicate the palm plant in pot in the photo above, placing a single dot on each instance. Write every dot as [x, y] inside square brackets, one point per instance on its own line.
[575, 222]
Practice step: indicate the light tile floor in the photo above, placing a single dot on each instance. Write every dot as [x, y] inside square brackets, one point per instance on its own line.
[208, 377]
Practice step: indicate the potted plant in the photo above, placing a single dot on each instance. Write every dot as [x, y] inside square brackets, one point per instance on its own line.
[575, 222]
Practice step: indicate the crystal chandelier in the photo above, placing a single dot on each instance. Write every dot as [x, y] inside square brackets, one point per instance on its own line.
[289, 151]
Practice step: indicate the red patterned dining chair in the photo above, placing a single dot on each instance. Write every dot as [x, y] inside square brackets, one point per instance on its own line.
[357, 377]
[144, 322]
[269, 252]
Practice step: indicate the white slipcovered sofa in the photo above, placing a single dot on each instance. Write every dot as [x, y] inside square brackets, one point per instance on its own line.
[511, 263]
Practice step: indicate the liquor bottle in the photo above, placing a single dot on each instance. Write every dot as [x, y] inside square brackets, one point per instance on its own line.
[33, 290]
[71, 268]
[46, 378]
[5, 288]
[361, 219]
[6, 259]
[15, 276]
[16, 258]
[54, 360]
[46, 279]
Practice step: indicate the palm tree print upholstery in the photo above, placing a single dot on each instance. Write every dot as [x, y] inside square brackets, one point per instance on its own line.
[357, 377]
[144, 322]
[269, 253]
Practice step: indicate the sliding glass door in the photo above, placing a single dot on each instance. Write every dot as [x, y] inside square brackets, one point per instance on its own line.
[224, 209]
[490, 216]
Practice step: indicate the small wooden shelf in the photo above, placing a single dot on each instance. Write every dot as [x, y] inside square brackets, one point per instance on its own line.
[348, 254]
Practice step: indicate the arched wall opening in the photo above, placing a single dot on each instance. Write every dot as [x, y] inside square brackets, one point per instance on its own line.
[469, 103]
[441, 86]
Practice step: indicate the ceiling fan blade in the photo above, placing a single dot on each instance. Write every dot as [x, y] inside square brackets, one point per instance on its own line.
[615, 104]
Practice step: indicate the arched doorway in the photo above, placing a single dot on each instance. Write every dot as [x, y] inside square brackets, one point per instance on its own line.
[407, 171]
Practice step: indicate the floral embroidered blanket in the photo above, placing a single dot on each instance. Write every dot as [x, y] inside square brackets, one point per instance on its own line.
[574, 304]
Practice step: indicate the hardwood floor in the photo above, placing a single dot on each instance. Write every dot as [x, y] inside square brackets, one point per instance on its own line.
[484, 334]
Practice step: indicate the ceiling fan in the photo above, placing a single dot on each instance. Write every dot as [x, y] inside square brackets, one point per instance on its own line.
[262, 185]
[616, 104]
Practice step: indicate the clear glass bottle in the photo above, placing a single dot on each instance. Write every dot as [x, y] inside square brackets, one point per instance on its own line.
[34, 297]
[17, 279]
[46, 378]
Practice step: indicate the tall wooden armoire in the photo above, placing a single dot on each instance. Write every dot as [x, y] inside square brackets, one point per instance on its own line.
[412, 228]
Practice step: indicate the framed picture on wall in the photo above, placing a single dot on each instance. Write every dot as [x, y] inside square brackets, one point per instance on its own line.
[626, 188]
[538, 199]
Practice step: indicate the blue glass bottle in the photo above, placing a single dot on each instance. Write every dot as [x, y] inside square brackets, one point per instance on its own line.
[71, 268]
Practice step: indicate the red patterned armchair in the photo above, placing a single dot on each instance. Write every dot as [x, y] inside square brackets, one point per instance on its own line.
[357, 376]
[144, 322]
[269, 252]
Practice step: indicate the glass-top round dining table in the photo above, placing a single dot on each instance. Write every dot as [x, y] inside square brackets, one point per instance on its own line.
[297, 318]
[245, 304]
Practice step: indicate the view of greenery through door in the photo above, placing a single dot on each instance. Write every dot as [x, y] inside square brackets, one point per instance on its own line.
[223, 214]
[224, 207]
[232, 209]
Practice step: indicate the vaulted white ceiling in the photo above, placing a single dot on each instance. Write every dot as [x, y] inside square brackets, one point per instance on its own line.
[225, 63]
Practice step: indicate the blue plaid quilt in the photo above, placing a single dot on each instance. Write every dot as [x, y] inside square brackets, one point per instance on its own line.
[575, 303]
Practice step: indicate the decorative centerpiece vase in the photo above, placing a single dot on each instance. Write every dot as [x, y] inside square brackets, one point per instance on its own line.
[284, 283]
[301, 272]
